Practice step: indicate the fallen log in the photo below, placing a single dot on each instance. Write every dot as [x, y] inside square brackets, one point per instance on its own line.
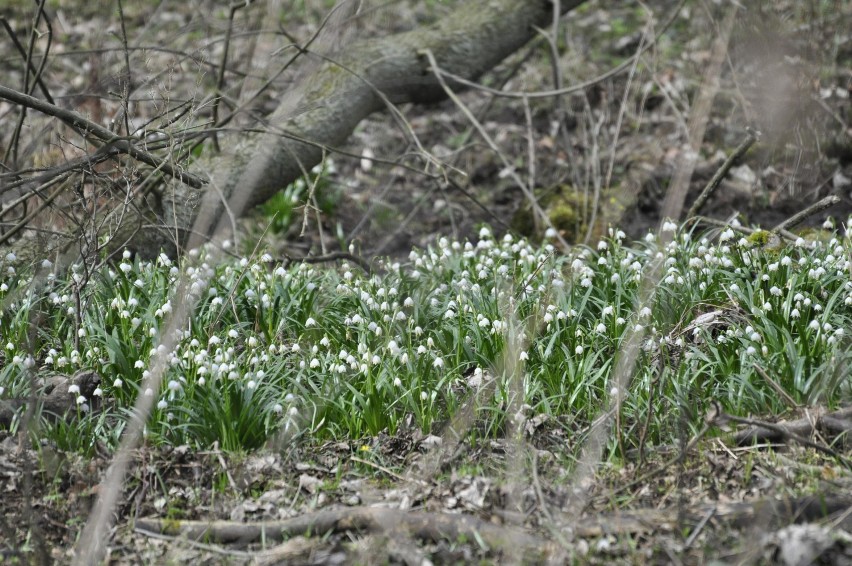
[767, 513]
[817, 420]
[54, 396]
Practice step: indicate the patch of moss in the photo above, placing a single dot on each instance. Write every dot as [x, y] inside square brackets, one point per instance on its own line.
[569, 211]
[565, 208]
[759, 237]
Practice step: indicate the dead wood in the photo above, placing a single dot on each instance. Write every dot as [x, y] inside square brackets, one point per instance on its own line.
[767, 513]
[54, 397]
[432, 527]
[313, 119]
[817, 420]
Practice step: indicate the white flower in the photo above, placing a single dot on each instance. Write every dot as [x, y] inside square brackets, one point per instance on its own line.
[423, 395]
[438, 363]
[669, 226]
[174, 385]
[601, 328]
[310, 322]
[578, 350]
[117, 384]
[523, 356]
[73, 389]
[162, 404]
[81, 399]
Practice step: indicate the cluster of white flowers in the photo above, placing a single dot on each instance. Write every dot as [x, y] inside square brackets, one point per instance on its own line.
[277, 334]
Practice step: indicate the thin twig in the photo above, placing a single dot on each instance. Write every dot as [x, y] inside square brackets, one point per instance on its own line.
[623, 66]
[193, 543]
[507, 165]
[751, 137]
[333, 256]
[721, 417]
[220, 79]
[699, 528]
[89, 130]
[14, 38]
[388, 471]
[778, 389]
[800, 217]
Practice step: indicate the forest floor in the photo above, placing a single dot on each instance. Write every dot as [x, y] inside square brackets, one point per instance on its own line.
[787, 74]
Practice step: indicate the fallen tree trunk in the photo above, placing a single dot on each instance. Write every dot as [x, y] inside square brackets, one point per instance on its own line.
[767, 513]
[348, 87]
[55, 397]
[321, 113]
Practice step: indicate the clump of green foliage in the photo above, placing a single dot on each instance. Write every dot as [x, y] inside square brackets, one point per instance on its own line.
[340, 353]
[286, 206]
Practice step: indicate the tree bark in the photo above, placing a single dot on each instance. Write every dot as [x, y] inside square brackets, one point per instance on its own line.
[56, 400]
[318, 115]
[322, 112]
